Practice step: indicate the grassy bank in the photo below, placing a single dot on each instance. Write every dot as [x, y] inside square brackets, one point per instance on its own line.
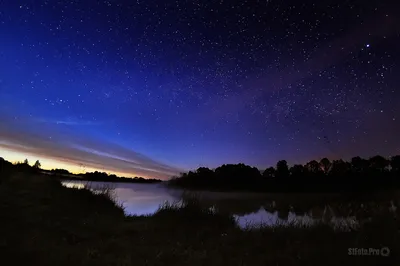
[44, 223]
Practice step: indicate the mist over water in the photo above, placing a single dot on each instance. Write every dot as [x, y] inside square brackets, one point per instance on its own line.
[249, 209]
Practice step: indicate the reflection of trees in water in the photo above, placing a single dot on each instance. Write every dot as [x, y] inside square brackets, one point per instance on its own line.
[315, 206]
[338, 206]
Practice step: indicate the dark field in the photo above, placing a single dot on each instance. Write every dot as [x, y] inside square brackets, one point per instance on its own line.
[44, 223]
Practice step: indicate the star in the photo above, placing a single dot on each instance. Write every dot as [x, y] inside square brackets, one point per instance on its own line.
[268, 79]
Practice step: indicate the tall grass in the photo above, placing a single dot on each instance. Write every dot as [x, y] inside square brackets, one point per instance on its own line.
[190, 210]
[106, 191]
[44, 223]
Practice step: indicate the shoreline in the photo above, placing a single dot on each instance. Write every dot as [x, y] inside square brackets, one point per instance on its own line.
[45, 223]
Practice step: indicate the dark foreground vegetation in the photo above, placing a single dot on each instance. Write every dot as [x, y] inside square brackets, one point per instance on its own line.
[89, 176]
[375, 173]
[44, 223]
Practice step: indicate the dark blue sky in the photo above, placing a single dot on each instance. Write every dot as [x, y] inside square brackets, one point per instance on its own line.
[156, 87]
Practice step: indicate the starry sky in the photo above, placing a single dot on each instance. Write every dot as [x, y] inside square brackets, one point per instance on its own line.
[153, 88]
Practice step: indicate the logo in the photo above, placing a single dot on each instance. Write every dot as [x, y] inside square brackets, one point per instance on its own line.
[384, 252]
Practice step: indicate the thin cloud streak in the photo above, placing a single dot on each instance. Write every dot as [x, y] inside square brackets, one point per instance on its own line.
[69, 122]
[20, 136]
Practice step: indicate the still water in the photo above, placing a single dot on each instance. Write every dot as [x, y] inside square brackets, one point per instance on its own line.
[249, 209]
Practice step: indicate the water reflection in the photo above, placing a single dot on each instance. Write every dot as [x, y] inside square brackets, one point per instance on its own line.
[263, 217]
[74, 185]
[137, 199]
[251, 209]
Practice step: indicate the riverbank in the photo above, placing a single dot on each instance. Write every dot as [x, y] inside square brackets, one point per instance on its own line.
[44, 223]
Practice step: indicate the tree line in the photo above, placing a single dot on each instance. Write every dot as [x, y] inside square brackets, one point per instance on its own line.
[8, 167]
[104, 177]
[325, 175]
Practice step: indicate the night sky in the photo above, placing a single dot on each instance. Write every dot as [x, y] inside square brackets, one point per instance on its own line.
[153, 88]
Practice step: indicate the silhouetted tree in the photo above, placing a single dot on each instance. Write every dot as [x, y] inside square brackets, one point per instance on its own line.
[325, 165]
[359, 164]
[395, 163]
[191, 174]
[379, 163]
[204, 171]
[339, 167]
[282, 169]
[234, 171]
[360, 174]
[297, 170]
[269, 172]
[60, 171]
[37, 165]
[313, 166]
[26, 161]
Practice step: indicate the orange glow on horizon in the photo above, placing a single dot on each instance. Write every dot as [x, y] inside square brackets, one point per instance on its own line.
[49, 164]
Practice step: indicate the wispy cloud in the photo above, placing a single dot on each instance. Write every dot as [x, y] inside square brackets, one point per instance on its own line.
[27, 136]
[69, 122]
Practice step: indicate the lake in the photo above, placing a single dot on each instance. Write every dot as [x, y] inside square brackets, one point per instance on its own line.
[252, 209]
